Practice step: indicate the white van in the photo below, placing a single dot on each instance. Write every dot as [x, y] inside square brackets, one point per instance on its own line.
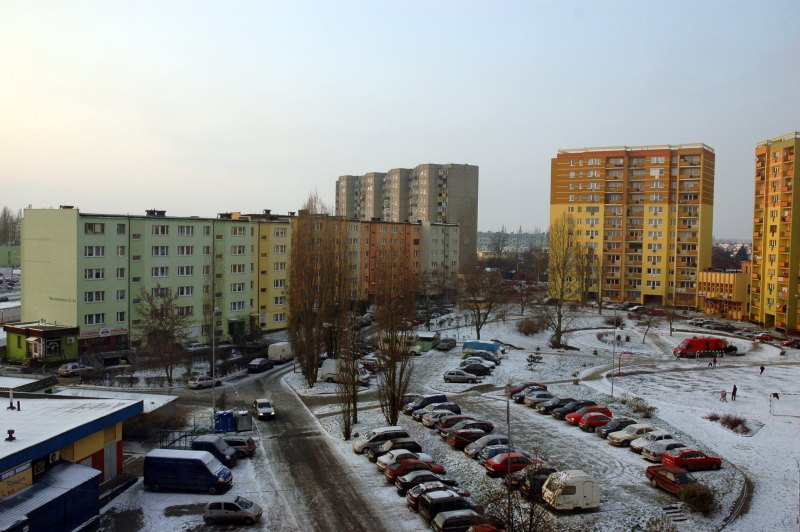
[571, 490]
[330, 369]
[280, 352]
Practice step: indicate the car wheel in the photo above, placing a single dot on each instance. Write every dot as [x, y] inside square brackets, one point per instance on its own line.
[715, 467]
[472, 381]
[329, 379]
[249, 521]
[212, 490]
[154, 487]
[653, 483]
[626, 443]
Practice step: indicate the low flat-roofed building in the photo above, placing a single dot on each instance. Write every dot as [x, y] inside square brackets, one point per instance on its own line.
[724, 293]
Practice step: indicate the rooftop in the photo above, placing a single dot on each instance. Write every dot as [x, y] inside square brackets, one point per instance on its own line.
[788, 136]
[698, 145]
[151, 402]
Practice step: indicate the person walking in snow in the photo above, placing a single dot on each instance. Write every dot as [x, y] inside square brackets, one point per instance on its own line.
[762, 370]
[733, 393]
[723, 396]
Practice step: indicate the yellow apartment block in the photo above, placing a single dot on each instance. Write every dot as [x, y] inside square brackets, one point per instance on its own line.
[725, 294]
[776, 232]
[645, 212]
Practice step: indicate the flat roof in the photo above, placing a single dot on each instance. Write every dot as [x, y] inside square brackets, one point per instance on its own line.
[788, 136]
[7, 383]
[151, 402]
[639, 148]
[43, 426]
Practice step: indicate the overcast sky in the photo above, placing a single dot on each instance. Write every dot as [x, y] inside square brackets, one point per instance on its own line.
[204, 107]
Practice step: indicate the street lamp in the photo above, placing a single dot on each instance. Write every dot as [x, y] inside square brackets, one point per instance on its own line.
[214, 315]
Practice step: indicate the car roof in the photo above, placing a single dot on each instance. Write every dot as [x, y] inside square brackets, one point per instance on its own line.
[672, 469]
[442, 494]
[641, 425]
[659, 432]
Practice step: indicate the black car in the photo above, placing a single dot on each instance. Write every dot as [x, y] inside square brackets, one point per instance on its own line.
[548, 406]
[574, 406]
[477, 369]
[618, 423]
[257, 365]
[485, 426]
[373, 453]
[486, 355]
[446, 344]
[406, 482]
[519, 396]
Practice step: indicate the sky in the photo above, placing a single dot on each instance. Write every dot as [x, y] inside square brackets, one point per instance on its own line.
[205, 107]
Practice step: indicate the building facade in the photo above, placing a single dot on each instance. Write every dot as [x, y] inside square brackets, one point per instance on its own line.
[725, 293]
[512, 243]
[646, 214]
[272, 241]
[776, 230]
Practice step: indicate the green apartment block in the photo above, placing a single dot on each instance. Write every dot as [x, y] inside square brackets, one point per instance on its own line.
[88, 270]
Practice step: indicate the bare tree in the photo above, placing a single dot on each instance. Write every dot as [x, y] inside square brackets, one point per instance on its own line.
[561, 283]
[499, 242]
[650, 320]
[517, 513]
[348, 380]
[670, 315]
[9, 226]
[162, 328]
[431, 283]
[483, 295]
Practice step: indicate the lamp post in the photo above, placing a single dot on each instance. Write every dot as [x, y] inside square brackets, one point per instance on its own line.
[613, 351]
[214, 314]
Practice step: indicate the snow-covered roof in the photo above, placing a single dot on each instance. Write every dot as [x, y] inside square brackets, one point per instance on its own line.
[7, 383]
[151, 402]
[43, 426]
[427, 335]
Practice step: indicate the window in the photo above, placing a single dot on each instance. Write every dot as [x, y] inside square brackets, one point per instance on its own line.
[280, 231]
[160, 251]
[206, 230]
[94, 229]
[159, 271]
[186, 311]
[237, 305]
[160, 230]
[159, 291]
[120, 317]
[279, 248]
[185, 291]
[237, 231]
[279, 318]
[206, 250]
[120, 251]
[94, 297]
[94, 319]
[120, 295]
[237, 250]
[183, 271]
[186, 230]
[280, 266]
[184, 251]
[278, 283]
[237, 287]
[120, 229]
[237, 268]
[207, 269]
[136, 236]
[94, 274]
[94, 251]
[279, 300]
[120, 273]
[656, 160]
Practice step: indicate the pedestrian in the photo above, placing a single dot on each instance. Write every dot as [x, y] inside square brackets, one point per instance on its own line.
[723, 396]
[733, 393]
[762, 370]
[709, 364]
[715, 361]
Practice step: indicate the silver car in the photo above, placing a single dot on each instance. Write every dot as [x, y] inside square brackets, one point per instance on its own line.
[459, 375]
[232, 509]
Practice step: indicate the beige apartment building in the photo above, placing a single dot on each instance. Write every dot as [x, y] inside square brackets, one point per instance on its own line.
[776, 233]
[645, 212]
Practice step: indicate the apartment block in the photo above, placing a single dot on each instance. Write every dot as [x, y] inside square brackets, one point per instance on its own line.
[645, 212]
[272, 244]
[88, 270]
[725, 293]
[776, 231]
[434, 193]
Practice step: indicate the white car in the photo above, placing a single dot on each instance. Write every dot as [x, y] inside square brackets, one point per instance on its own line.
[650, 437]
[401, 454]
[652, 452]
[202, 381]
[194, 347]
[624, 437]
[263, 409]
[458, 375]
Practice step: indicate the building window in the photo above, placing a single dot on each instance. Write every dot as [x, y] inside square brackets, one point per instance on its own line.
[278, 283]
[280, 266]
[185, 251]
[94, 251]
[279, 318]
[185, 291]
[184, 271]
[120, 251]
[279, 300]
[120, 273]
[186, 230]
[94, 319]
[237, 250]
[97, 296]
[237, 287]
[94, 229]
[280, 231]
[162, 230]
[120, 317]
[120, 295]
[237, 268]
[206, 250]
[237, 305]
[279, 248]
[94, 274]
[120, 229]
[237, 231]
[160, 251]
[159, 291]
[159, 271]
[186, 311]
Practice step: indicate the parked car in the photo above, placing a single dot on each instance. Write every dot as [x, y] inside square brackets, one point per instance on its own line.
[195, 347]
[624, 437]
[697, 322]
[477, 369]
[202, 381]
[706, 346]
[215, 445]
[535, 397]
[435, 502]
[375, 452]
[406, 482]
[691, 459]
[571, 490]
[423, 401]
[446, 344]
[505, 463]
[244, 446]
[485, 426]
[473, 449]
[562, 411]
[446, 422]
[618, 423]
[490, 451]
[377, 437]
[593, 420]
[574, 418]
[232, 510]
[458, 375]
[409, 398]
[461, 438]
[400, 454]
[171, 469]
[74, 369]
[432, 418]
[653, 452]
[650, 437]
[457, 521]
[418, 414]
[485, 355]
[477, 360]
[533, 478]
[406, 466]
[263, 409]
[794, 342]
[524, 387]
[547, 407]
[672, 479]
[257, 365]
[764, 337]
[413, 495]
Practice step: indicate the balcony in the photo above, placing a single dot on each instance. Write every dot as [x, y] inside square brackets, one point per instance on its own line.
[786, 219]
[756, 234]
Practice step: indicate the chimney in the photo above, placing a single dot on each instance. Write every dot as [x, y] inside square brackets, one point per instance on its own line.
[10, 435]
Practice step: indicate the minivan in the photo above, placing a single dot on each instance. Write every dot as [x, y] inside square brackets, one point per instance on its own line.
[173, 469]
[377, 437]
[216, 446]
[432, 503]
[424, 401]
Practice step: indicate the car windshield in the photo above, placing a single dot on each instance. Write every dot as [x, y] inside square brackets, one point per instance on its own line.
[243, 503]
[264, 404]
[630, 429]
[684, 478]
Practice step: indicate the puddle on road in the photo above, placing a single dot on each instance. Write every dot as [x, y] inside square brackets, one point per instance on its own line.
[184, 509]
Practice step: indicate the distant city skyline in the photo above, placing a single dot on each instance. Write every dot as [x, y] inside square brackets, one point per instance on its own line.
[204, 107]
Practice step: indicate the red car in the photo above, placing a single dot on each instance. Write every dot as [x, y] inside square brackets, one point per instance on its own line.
[463, 437]
[403, 467]
[505, 463]
[690, 459]
[672, 479]
[448, 421]
[592, 420]
[794, 342]
[575, 417]
[764, 337]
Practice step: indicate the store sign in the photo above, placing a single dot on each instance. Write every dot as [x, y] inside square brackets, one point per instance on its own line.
[15, 479]
[104, 331]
